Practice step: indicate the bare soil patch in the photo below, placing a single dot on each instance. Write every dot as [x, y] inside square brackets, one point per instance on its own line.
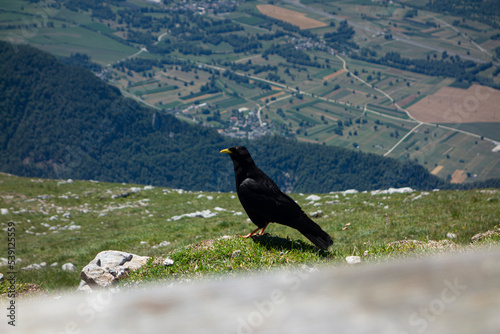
[454, 105]
[206, 96]
[296, 18]
[436, 170]
[407, 100]
[333, 75]
[458, 176]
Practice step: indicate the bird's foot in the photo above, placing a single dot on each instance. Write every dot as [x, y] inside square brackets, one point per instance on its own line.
[249, 235]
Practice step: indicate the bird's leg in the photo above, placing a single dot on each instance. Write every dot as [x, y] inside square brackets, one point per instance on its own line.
[262, 231]
[251, 234]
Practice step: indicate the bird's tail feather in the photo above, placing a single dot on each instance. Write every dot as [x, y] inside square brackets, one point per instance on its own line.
[313, 232]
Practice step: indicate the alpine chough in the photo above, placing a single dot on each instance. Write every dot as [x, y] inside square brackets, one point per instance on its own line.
[264, 202]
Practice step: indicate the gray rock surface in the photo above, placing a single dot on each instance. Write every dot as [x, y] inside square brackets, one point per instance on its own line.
[109, 266]
[458, 293]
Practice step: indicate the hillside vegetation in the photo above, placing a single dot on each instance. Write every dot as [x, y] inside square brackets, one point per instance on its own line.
[61, 121]
[72, 221]
[326, 72]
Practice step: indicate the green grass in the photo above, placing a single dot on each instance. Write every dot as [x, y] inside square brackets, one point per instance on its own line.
[122, 223]
[250, 20]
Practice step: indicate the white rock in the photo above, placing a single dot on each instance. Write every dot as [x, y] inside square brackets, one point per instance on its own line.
[353, 259]
[392, 191]
[219, 209]
[316, 214]
[68, 267]
[4, 211]
[239, 213]
[143, 242]
[349, 191]
[313, 198]
[54, 218]
[148, 187]
[84, 287]
[202, 214]
[109, 266]
[67, 215]
[55, 264]
[162, 244]
[34, 266]
[168, 262]
[450, 235]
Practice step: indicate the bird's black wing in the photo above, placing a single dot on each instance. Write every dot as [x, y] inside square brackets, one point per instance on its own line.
[264, 202]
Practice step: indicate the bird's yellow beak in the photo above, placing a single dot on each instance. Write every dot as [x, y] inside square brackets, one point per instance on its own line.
[225, 151]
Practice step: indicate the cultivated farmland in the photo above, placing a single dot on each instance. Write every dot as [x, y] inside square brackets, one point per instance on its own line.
[290, 16]
[455, 105]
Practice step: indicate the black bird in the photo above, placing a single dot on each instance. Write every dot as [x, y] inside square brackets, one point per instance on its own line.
[264, 202]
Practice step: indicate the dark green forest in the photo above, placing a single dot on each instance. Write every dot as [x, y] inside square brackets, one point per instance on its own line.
[61, 121]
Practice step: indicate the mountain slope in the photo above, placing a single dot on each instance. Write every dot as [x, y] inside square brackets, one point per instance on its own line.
[61, 121]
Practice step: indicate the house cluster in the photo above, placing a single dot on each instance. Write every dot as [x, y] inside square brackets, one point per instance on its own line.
[245, 125]
[210, 7]
[310, 44]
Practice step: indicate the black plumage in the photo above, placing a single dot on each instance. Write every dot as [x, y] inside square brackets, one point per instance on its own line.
[264, 202]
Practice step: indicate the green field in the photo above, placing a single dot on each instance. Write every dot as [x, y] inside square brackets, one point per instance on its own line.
[377, 27]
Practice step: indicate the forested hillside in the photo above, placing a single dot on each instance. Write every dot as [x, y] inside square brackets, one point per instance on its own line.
[61, 121]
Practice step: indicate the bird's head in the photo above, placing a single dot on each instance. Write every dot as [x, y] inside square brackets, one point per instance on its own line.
[240, 156]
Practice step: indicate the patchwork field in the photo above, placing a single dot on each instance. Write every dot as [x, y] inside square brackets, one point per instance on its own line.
[333, 75]
[290, 16]
[455, 105]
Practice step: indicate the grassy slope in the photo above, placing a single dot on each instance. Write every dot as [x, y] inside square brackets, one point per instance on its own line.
[122, 223]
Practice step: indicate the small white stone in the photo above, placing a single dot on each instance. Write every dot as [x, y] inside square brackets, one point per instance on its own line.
[353, 259]
[313, 198]
[168, 262]
[4, 211]
[68, 267]
[450, 235]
